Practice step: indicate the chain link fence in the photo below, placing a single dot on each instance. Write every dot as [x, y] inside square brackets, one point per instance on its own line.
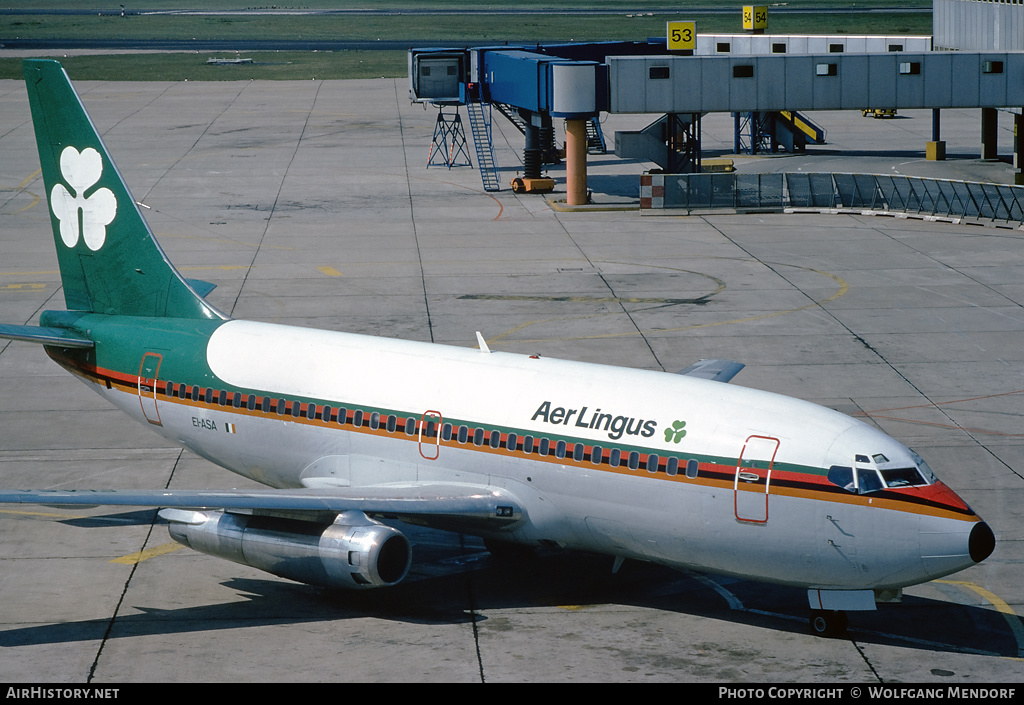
[859, 192]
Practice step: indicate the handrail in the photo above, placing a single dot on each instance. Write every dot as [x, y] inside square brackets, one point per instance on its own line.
[960, 200]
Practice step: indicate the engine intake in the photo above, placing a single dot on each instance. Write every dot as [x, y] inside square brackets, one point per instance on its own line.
[355, 552]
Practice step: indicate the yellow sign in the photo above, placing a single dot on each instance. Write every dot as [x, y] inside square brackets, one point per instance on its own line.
[682, 36]
[755, 17]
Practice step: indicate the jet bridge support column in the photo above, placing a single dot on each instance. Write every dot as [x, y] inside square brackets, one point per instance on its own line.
[532, 153]
[1018, 148]
[576, 162]
[936, 149]
[989, 133]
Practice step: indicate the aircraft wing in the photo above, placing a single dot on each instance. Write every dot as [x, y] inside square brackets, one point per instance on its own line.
[715, 370]
[425, 503]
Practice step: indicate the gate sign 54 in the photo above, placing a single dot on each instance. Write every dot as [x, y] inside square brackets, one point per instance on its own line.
[755, 17]
[682, 36]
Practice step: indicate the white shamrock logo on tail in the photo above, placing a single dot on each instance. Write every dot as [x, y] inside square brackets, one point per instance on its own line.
[82, 170]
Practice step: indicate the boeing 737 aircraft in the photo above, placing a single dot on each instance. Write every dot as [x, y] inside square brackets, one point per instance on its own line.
[682, 469]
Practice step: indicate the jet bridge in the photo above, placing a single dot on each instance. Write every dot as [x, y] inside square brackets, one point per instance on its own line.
[537, 84]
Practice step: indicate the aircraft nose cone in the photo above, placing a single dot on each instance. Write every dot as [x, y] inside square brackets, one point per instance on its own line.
[981, 542]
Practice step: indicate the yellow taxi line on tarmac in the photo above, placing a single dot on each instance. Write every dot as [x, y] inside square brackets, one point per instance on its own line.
[52, 515]
[1001, 606]
[130, 559]
[139, 556]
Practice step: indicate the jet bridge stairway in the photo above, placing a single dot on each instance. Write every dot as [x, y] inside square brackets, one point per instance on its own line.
[764, 132]
[480, 126]
[672, 142]
[595, 138]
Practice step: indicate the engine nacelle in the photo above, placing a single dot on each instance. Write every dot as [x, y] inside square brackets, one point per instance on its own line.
[355, 552]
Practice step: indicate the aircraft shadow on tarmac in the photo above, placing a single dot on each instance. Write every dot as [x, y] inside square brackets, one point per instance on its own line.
[453, 583]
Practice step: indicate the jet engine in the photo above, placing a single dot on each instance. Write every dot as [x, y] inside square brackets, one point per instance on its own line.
[354, 552]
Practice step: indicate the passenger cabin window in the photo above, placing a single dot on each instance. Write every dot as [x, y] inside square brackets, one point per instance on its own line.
[652, 463]
[692, 468]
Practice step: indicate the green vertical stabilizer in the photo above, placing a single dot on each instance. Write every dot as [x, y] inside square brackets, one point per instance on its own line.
[109, 261]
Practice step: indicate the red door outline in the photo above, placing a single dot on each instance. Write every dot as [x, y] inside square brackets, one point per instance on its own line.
[149, 370]
[750, 501]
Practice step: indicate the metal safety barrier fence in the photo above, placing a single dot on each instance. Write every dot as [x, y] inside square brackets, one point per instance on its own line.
[937, 198]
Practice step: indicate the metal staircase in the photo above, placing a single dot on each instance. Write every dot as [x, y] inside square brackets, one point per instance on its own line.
[480, 126]
[595, 138]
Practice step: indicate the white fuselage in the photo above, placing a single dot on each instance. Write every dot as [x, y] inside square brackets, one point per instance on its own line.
[755, 503]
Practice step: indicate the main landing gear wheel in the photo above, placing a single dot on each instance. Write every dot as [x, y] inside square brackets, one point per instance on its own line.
[828, 623]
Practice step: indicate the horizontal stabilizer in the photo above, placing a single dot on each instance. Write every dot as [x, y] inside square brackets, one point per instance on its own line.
[416, 500]
[44, 336]
[200, 287]
[715, 370]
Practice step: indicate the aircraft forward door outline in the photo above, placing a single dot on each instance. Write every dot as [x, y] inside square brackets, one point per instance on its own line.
[149, 368]
[752, 482]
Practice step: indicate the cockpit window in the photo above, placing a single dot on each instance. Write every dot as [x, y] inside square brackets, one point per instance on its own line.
[903, 477]
[922, 467]
[867, 479]
[842, 477]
